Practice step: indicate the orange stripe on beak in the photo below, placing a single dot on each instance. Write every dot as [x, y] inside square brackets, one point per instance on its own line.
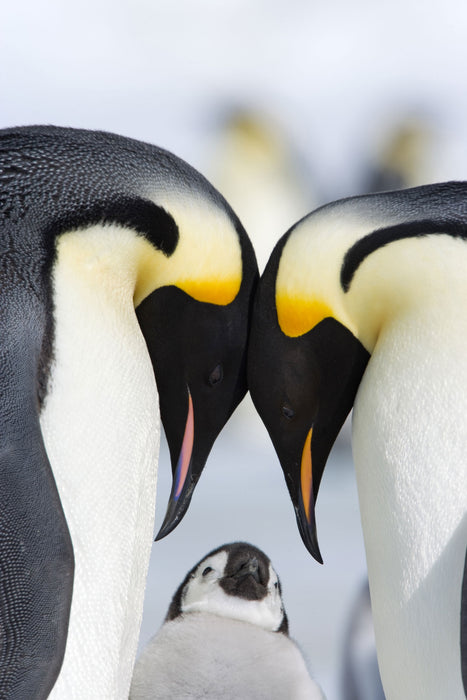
[306, 475]
[186, 450]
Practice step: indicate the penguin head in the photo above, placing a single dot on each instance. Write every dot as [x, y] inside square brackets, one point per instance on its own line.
[155, 235]
[303, 372]
[200, 369]
[202, 302]
[235, 581]
[334, 282]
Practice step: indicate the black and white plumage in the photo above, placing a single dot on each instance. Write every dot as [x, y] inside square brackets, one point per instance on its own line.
[119, 264]
[225, 636]
[362, 304]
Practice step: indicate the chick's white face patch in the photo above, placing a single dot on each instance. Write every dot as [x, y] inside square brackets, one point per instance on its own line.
[203, 593]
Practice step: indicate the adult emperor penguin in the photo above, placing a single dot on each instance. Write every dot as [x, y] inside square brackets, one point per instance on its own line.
[225, 636]
[362, 304]
[94, 226]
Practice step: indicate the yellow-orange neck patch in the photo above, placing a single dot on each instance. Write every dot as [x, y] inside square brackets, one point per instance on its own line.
[212, 291]
[298, 314]
[154, 270]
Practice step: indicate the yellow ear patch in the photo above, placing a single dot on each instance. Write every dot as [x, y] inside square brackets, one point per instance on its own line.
[217, 283]
[212, 291]
[298, 314]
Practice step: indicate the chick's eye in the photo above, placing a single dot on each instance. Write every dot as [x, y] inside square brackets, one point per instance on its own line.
[288, 412]
[207, 570]
[216, 375]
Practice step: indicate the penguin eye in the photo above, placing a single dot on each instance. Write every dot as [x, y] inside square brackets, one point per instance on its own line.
[207, 570]
[276, 584]
[288, 412]
[216, 376]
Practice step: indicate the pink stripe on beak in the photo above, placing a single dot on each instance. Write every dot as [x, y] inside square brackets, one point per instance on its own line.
[186, 450]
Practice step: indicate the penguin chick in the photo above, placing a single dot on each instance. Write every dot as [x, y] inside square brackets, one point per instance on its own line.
[225, 636]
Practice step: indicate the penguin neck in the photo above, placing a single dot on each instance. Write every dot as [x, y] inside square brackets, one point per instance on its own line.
[307, 286]
[121, 264]
[409, 451]
[206, 265]
[416, 277]
[424, 270]
[101, 429]
[207, 262]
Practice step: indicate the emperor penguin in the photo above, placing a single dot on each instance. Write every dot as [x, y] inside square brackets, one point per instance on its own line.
[404, 157]
[126, 285]
[362, 304]
[225, 636]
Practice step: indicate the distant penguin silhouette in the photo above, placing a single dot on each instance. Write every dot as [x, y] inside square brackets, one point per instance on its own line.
[225, 636]
[360, 676]
[404, 157]
[464, 627]
[258, 169]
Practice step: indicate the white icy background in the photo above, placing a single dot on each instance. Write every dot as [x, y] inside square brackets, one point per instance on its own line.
[336, 76]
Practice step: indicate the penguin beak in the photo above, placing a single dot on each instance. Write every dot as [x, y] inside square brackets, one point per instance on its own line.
[305, 503]
[249, 568]
[252, 570]
[317, 376]
[183, 483]
[340, 360]
[302, 475]
[248, 578]
[199, 363]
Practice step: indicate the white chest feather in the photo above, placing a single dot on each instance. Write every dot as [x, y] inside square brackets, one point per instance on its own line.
[201, 656]
[410, 446]
[101, 431]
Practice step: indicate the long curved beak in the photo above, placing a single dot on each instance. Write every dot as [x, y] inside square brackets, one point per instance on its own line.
[183, 483]
[339, 363]
[305, 502]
